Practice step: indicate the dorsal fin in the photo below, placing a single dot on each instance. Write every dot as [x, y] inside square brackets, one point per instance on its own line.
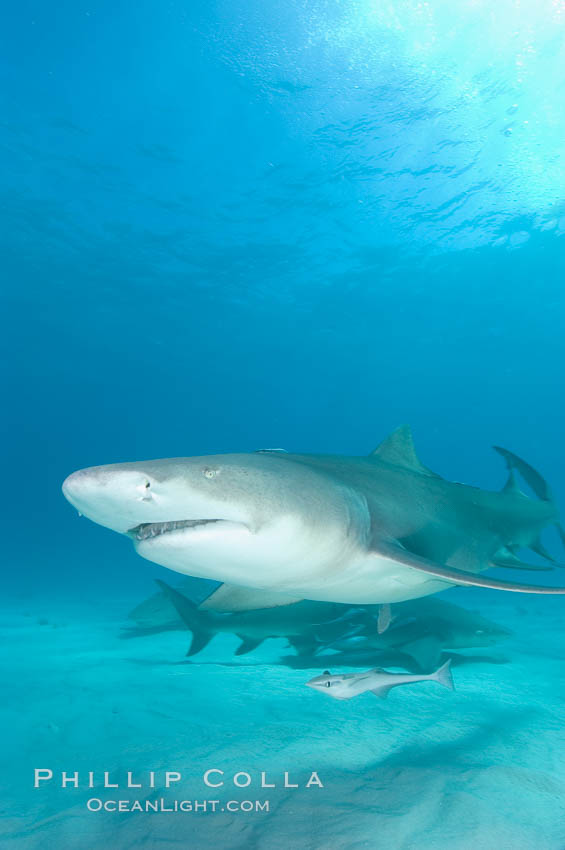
[511, 485]
[398, 449]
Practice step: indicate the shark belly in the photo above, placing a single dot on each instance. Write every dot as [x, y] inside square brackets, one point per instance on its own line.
[370, 578]
[289, 554]
[327, 568]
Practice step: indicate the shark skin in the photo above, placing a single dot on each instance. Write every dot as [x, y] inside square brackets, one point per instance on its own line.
[360, 530]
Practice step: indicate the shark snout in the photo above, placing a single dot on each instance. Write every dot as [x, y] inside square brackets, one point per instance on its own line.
[75, 484]
[110, 497]
[86, 484]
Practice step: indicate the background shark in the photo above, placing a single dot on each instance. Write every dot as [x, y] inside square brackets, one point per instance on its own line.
[419, 632]
[253, 627]
[374, 529]
[422, 630]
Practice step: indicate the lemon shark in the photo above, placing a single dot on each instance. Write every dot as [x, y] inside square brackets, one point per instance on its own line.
[376, 529]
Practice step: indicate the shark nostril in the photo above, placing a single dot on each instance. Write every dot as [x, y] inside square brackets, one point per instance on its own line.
[144, 490]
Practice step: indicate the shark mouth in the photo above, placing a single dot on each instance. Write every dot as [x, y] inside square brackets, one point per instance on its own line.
[154, 529]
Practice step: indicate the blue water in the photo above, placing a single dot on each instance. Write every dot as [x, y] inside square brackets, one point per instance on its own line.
[241, 224]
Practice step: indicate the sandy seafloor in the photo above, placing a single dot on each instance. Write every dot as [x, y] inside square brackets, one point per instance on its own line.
[480, 768]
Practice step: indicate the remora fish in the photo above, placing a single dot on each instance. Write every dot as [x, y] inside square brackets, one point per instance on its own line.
[253, 627]
[378, 681]
[374, 529]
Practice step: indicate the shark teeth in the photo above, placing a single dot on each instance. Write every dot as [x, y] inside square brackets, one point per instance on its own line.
[153, 529]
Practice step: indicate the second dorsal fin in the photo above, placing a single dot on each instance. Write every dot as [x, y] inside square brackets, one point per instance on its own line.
[398, 449]
[511, 485]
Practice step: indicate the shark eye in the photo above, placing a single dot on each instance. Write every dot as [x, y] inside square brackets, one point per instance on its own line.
[210, 473]
[328, 684]
[147, 485]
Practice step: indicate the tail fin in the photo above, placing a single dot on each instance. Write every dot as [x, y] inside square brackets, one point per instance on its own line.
[540, 487]
[530, 475]
[194, 620]
[506, 558]
[443, 675]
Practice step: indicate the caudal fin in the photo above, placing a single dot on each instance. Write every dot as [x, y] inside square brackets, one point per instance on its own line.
[194, 620]
[443, 675]
[530, 475]
[540, 487]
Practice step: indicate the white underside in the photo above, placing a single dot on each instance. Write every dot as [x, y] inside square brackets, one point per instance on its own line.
[288, 559]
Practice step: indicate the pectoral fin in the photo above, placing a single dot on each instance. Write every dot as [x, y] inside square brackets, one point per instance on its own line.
[381, 693]
[395, 552]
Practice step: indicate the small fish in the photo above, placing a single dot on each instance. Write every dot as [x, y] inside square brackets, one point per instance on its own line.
[378, 681]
